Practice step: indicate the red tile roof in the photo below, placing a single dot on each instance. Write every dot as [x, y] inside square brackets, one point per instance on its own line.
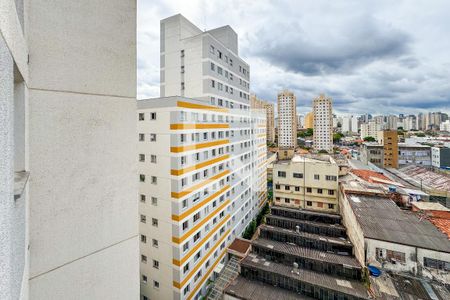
[442, 224]
[367, 174]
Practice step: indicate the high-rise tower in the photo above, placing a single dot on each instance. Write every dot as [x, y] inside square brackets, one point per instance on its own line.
[323, 123]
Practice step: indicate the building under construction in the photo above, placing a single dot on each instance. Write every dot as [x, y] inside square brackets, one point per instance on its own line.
[299, 254]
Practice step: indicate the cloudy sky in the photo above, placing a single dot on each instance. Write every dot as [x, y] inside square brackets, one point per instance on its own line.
[369, 56]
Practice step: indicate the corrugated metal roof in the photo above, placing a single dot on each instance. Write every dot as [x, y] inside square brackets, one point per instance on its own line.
[382, 219]
[307, 252]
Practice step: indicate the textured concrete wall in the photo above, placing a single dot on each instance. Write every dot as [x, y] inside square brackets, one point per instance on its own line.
[83, 187]
[6, 172]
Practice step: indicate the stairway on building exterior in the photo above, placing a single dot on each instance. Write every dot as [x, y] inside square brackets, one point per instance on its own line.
[306, 253]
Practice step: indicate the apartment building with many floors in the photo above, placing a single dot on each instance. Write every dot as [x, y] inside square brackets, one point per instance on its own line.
[287, 120]
[202, 161]
[307, 182]
[323, 123]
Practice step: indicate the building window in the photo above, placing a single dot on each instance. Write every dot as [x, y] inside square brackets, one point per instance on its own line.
[316, 176]
[155, 284]
[155, 243]
[153, 159]
[330, 192]
[186, 289]
[309, 190]
[144, 259]
[390, 255]
[331, 178]
[286, 187]
[141, 177]
[182, 53]
[152, 116]
[198, 275]
[436, 264]
[141, 117]
[319, 191]
[186, 268]
[185, 225]
[185, 247]
[143, 239]
[143, 219]
[196, 236]
[144, 279]
[154, 180]
[143, 198]
[141, 137]
[298, 175]
[282, 174]
[213, 83]
[141, 157]
[287, 200]
[155, 264]
[330, 206]
[154, 201]
[154, 222]
[197, 255]
[211, 49]
[277, 186]
[297, 189]
[309, 203]
[152, 137]
[196, 217]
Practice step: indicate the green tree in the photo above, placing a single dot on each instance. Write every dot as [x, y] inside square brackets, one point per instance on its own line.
[369, 139]
[337, 137]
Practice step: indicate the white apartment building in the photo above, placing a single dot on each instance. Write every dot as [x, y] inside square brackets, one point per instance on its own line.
[346, 124]
[445, 126]
[370, 129]
[323, 123]
[202, 161]
[287, 120]
[68, 209]
[354, 124]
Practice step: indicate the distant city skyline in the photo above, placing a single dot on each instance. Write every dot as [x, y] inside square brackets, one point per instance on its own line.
[381, 58]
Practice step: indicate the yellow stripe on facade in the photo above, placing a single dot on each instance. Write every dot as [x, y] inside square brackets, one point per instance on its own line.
[200, 263]
[200, 106]
[201, 204]
[206, 276]
[199, 245]
[198, 186]
[198, 126]
[198, 166]
[198, 146]
[179, 240]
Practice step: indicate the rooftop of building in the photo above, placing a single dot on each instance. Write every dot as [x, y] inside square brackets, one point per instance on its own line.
[240, 246]
[429, 206]
[307, 158]
[345, 286]
[423, 177]
[246, 289]
[381, 219]
[400, 145]
[398, 286]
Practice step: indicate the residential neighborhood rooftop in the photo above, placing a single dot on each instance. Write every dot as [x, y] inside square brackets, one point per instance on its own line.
[381, 219]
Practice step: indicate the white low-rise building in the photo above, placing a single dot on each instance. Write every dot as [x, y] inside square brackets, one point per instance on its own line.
[386, 236]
